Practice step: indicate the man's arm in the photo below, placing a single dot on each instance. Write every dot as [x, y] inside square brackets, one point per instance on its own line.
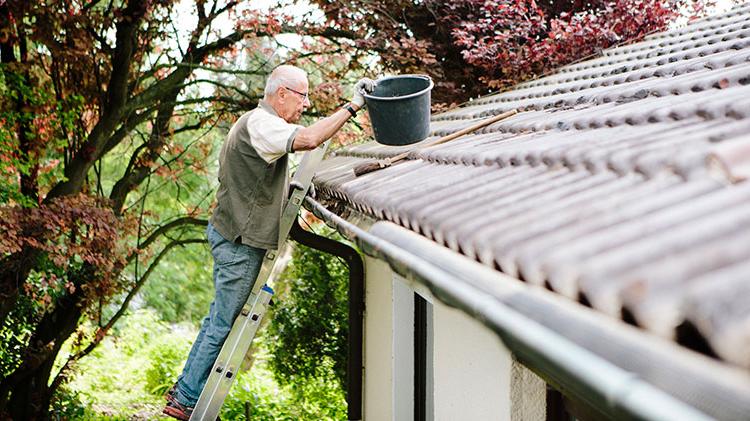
[311, 137]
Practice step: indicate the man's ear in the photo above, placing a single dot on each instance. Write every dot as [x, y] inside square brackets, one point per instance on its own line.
[281, 94]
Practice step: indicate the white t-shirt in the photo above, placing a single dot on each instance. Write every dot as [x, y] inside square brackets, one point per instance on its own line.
[270, 135]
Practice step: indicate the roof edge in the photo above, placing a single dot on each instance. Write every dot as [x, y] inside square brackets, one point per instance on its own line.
[625, 375]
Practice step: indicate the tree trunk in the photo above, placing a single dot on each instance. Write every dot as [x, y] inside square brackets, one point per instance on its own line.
[25, 394]
[30, 399]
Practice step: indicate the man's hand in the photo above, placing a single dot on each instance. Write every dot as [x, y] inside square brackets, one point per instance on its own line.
[364, 85]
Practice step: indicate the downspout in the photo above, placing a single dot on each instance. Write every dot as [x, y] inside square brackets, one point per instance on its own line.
[560, 360]
[353, 260]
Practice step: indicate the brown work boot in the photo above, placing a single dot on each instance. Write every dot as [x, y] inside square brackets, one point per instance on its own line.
[177, 410]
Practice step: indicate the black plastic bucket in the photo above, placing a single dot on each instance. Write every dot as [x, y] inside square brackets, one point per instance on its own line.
[399, 109]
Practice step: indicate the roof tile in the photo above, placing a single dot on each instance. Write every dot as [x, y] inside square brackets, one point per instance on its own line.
[619, 185]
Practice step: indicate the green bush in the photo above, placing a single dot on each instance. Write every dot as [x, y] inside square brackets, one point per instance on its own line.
[67, 405]
[184, 277]
[309, 325]
[258, 394]
[166, 357]
[15, 331]
[126, 373]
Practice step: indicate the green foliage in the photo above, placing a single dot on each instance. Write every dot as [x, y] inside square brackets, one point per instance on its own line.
[14, 333]
[181, 289]
[256, 392]
[31, 108]
[165, 361]
[309, 329]
[127, 372]
[67, 405]
[126, 376]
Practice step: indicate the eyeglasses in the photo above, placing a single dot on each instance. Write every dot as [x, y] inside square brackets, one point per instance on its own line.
[305, 96]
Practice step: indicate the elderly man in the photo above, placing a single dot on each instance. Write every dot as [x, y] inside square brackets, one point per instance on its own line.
[253, 184]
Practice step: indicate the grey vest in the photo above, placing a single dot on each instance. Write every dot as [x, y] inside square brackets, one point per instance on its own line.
[251, 191]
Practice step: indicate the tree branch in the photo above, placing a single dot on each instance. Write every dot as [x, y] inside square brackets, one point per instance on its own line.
[163, 229]
[251, 103]
[131, 123]
[137, 173]
[101, 333]
[114, 109]
[193, 56]
[222, 85]
[226, 71]
[90, 4]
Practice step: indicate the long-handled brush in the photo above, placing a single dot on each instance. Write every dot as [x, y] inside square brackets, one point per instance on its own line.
[387, 162]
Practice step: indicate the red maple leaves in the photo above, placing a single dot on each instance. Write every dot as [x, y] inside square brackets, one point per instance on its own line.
[515, 40]
[70, 231]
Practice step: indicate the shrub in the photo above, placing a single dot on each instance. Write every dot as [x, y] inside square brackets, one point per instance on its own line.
[257, 394]
[126, 373]
[166, 357]
[309, 325]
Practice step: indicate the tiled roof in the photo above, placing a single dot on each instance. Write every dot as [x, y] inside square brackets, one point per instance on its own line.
[619, 185]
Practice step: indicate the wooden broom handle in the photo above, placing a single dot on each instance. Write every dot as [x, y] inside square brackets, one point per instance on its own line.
[447, 138]
[473, 127]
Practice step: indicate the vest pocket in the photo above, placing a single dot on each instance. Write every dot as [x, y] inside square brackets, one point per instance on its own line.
[265, 190]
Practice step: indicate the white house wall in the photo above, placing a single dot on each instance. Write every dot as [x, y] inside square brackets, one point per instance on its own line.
[472, 374]
[471, 369]
[378, 338]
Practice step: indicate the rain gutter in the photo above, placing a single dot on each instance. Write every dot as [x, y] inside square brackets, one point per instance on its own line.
[611, 367]
[356, 305]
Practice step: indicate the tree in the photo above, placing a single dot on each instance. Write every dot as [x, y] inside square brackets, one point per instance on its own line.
[514, 41]
[470, 46]
[84, 83]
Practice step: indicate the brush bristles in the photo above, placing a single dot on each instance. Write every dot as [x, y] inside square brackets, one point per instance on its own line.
[368, 167]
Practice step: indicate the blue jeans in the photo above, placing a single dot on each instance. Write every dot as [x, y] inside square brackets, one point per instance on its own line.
[236, 267]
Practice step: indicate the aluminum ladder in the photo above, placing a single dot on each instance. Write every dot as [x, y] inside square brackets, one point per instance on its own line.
[245, 327]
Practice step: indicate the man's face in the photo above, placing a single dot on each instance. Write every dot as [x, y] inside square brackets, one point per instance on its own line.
[294, 100]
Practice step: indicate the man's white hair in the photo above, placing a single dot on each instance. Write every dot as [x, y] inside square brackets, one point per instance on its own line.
[283, 75]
